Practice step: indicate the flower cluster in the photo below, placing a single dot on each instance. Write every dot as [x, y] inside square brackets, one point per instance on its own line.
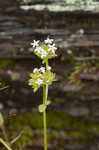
[46, 50]
[41, 77]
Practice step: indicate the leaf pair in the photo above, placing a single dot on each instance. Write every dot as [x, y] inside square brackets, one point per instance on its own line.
[43, 107]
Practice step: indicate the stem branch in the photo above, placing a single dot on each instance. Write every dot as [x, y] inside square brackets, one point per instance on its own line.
[5, 144]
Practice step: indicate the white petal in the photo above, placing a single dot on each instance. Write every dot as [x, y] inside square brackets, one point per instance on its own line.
[42, 69]
[48, 41]
[35, 70]
[49, 68]
[35, 44]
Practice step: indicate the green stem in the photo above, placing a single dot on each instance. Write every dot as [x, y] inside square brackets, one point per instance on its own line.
[45, 94]
[44, 119]
[46, 84]
[5, 144]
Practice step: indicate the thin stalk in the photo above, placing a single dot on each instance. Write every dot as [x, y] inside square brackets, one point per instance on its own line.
[44, 119]
[5, 144]
[45, 94]
[46, 84]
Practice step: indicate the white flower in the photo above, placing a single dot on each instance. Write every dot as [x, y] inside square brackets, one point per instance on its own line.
[49, 68]
[39, 81]
[48, 41]
[42, 69]
[38, 50]
[35, 70]
[35, 44]
[52, 48]
[43, 53]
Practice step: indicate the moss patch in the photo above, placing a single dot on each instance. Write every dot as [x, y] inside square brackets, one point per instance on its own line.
[60, 124]
[6, 63]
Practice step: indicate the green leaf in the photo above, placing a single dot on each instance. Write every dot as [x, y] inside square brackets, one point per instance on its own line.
[1, 119]
[48, 102]
[42, 107]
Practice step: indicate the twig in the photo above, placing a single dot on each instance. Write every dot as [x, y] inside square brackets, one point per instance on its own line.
[3, 88]
[16, 138]
[5, 144]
